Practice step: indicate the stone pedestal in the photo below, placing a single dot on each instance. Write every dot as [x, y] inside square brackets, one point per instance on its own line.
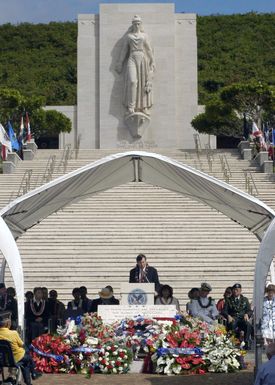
[247, 154]
[261, 157]
[14, 158]
[28, 154]
[8, 167]
[31, 145]
[267, 167]
[244, 144]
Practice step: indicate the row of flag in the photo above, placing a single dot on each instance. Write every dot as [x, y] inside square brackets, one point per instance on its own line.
[8, 139]
[266, 137]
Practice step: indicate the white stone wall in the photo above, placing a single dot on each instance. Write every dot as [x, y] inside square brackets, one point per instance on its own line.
[100, 113]
[64, 137]
[87, 81]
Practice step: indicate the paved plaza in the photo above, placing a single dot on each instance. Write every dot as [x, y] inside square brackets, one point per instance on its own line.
[240, 378]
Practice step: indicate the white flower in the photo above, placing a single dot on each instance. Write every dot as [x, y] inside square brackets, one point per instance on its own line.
[114, 370]
[92, 341]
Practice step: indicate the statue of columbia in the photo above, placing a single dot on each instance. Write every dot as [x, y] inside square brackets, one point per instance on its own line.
[139, 68]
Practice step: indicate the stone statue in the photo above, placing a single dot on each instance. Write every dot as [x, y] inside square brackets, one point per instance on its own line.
[137, 54]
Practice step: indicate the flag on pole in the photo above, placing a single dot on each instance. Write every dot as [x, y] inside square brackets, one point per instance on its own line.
[273, 136]
[5, 142]
[29, 135]
[255, 129]
[21, 132]
[14, 142]
[4, 138]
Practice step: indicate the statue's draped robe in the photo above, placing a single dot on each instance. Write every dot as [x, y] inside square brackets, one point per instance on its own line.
[138, 77]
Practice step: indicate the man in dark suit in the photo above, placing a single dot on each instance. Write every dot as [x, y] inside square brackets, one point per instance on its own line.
[36, 315]
[143, 273]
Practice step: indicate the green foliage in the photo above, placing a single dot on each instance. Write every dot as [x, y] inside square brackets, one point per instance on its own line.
[49, 122]
[13, 105]
[10, 102]
[251, 98]
[40, 60]
[233, 49]
[218, 119]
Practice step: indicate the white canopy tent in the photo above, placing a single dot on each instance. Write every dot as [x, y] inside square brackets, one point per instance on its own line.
[31, 208]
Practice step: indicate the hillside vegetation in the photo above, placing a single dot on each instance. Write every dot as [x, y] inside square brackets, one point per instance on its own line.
[40, 59]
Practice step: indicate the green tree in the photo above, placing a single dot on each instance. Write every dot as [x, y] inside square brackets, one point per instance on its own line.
[218, 119]
[43, 122]
[251, 98]
[49, 122]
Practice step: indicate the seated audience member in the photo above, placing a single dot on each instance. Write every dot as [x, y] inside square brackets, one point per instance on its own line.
[268, 321]
[12, 306]
[8, 303]
[56, 310]
[37, 315]
[45, 293]
[28, 296]
[266, 372]
[106, 297]
[86, 302]
[76, 303]
[21, 357]
[114, 300]
[194, 293]
[237, 311]
[204, 307]
[221, 302]
[166, 297]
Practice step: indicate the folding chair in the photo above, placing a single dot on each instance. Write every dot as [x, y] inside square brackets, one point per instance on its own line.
[7, 361]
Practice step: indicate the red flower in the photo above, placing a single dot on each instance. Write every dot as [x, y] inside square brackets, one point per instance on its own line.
[121, 354]
[172, 342]
[201, 371]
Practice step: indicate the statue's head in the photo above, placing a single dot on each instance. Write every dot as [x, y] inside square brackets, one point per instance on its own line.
[136, 20]
[136, 24]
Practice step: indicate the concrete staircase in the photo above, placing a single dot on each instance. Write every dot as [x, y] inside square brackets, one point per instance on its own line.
[95, 242]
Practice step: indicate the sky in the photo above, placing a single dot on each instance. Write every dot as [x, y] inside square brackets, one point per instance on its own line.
[44, 11]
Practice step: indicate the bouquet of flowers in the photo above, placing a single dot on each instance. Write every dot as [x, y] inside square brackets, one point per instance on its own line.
[220, 354]
[134, 333]
[178, 351]
[50, 353]
[114, 359]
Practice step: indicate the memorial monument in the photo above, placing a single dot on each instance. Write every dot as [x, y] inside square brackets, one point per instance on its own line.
[137, 77]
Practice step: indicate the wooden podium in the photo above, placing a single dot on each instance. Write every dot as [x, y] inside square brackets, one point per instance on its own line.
[137, 293]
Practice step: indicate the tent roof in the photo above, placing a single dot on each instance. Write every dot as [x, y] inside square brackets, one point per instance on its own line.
[114, 170]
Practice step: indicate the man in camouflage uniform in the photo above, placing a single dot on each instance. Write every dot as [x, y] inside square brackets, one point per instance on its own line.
[237, 311]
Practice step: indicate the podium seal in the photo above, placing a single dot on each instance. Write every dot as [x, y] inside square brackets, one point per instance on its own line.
[137, 297]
